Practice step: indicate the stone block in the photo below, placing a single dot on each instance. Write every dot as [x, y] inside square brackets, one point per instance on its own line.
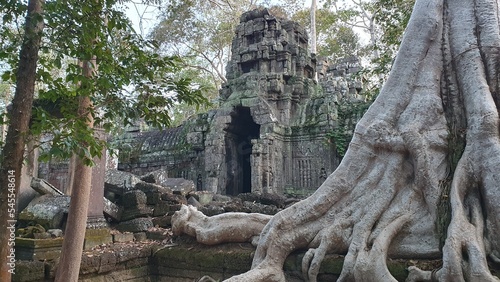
[135, 198]
[123, 237]
[156, 235]
[156, 176]
[192, 201]
[162, 208]
[163, 221]
[140, 236]
[249, 28]
[29, 271]
[46, 210]
[259, 24]
[108, 261]
[120, 182]
[112, 210]
[174, 199]
[38, 249]
[43, 187]
[136, 212]
[179, 185]
[135, 225]
[96, 237]
[195, 139]
[153, 187]
[153, 198]
[250, 102]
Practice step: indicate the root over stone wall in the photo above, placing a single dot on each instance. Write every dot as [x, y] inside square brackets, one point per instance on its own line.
[189, 261]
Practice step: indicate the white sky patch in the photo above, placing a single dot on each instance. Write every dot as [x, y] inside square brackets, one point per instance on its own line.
[143, 17]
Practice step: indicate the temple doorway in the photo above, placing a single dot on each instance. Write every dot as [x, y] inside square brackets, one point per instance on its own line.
[239, 133]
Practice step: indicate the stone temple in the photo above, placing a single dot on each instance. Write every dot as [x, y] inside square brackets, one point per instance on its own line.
[269, 133]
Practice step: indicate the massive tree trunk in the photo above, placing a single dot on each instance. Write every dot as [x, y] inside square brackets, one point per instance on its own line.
[428, 144]
[13, 150]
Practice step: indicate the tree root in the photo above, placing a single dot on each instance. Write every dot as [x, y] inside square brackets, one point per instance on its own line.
[227, 227]
[464, 253]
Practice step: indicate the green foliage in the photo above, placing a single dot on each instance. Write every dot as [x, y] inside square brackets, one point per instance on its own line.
[349, 113]
[131, 80]
[392, 16]
[335, 39]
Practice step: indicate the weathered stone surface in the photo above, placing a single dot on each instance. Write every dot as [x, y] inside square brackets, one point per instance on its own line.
[157, 235]
[152, 187]
[120, 182]
[123, 237]
[112, 210]
[179, 185]
[187, 261]
[140, 236]
[203, 197]
[174, 199]
[136, 212]
[46, 210]
[163, 221]
[38, 249]
[29, 271]
[96, 237]
[193, 202]
[134, 199]
[264, 198]
[55, 233]
[160, 209]
[157, 176]
[135, 225]
[43, 187]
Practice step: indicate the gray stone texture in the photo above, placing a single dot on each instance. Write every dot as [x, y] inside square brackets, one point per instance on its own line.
[120, 182]
[46, 210]
[269, 134]
[135, 225]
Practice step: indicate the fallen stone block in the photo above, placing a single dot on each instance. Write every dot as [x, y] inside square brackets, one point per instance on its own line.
[134, 199]
[43, 187]
[47, 210]
[112, 210]
[135, 225]
[120, 182]
[136, 212]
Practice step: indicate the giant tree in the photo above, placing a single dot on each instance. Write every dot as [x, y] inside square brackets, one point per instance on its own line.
[420, 177]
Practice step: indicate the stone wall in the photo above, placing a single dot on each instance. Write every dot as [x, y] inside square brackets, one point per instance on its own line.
[188, 262]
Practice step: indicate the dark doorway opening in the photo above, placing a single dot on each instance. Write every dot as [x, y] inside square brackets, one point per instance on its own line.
[239, 133]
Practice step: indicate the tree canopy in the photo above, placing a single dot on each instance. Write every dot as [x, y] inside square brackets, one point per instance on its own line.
[134, 81]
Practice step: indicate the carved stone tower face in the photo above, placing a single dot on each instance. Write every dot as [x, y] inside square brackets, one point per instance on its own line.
[270, 61]
[269, 81]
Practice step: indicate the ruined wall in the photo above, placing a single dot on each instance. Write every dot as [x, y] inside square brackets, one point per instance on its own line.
[179, 151]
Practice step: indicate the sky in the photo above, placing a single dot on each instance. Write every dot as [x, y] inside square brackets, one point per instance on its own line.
[150, 16]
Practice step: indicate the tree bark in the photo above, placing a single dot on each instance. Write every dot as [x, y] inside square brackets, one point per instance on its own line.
[74, 236]
[313, 27]
[20, 114]
[430, 141]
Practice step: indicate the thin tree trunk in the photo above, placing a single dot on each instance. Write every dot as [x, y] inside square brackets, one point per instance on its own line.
[313, 27]
[72, 249]
[20, 114]
[313, 32]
